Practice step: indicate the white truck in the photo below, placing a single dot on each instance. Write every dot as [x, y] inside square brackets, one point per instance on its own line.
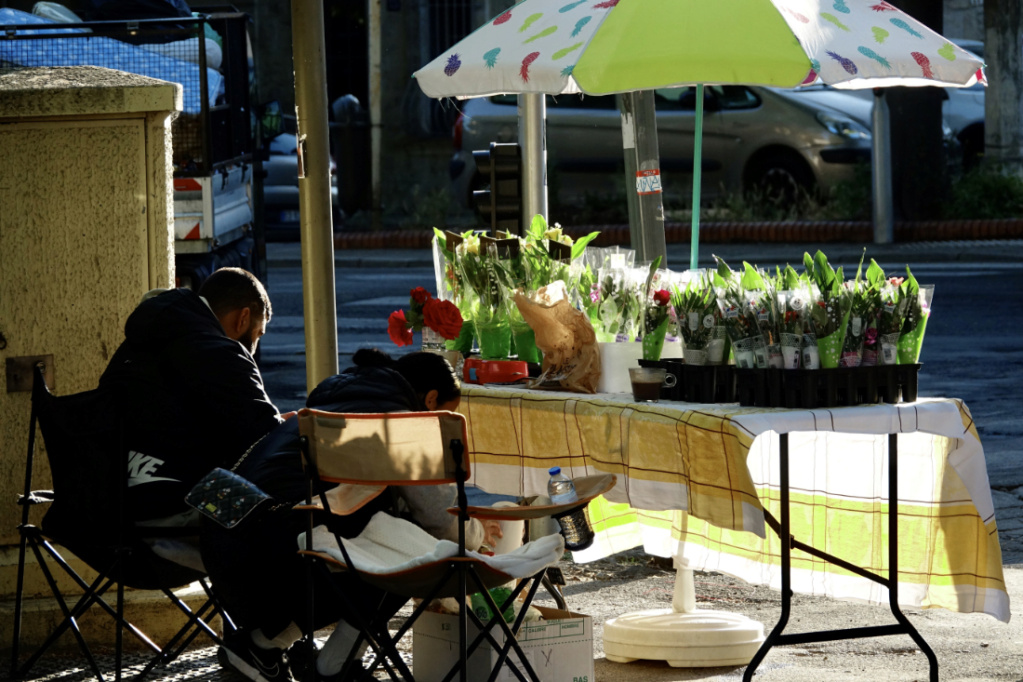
[217, 184]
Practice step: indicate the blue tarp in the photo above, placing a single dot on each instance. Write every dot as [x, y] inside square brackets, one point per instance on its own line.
[90, 50]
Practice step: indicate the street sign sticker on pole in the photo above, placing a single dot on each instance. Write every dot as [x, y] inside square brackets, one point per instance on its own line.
[648, 181]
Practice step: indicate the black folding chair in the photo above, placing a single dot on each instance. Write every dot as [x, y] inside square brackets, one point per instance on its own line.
[86, 516]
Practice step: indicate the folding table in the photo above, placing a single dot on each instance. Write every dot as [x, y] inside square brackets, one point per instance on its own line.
[819, 476]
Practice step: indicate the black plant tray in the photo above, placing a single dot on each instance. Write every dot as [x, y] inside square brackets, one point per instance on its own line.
[697, 383]
[813, 388]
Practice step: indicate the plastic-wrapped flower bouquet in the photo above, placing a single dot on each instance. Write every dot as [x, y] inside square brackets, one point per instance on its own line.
[762, 309]
[829, 307]
[697, 312]
[426, 314]
[790, 296]
[918, 312]
[655, 324]
[748, 346]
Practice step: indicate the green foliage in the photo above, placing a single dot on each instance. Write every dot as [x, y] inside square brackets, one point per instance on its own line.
[985, 193]
[491, 282]
[828, 315]
[538, 267]
[419, 207]
[828, 280]
[751, 278]
[697, 310]
[788, 279]
[850, 200]
[610, 208]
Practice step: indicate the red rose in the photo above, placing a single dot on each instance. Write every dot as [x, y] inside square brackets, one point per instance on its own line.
[397, 329]
[420, 295]
[443, 317]
[662, 297]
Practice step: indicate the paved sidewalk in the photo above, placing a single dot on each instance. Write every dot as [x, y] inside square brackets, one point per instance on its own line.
[969, 647]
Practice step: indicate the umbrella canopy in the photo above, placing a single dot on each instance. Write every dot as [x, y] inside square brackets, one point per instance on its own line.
[615, 46]
[611, 46]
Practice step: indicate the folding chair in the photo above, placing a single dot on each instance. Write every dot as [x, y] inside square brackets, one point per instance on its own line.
[88, 463]
[364, 453]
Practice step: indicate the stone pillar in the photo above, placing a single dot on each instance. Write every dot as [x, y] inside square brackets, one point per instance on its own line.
[86, 228]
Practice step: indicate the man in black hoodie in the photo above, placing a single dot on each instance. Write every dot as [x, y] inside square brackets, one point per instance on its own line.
[189, 390]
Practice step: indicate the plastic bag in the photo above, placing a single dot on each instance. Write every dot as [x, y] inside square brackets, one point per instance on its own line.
[571, 359]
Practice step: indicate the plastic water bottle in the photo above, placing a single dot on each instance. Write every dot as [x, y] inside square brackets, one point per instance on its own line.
[574, 526]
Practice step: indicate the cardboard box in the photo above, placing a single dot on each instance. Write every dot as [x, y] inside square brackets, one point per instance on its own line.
[559, 648]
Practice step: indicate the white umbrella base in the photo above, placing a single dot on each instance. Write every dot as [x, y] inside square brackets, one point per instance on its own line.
[695, 639]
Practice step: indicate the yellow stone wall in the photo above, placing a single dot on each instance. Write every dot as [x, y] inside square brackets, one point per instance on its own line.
[86, 227]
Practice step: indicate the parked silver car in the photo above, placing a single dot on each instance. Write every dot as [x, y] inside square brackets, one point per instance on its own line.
[962, 113]
[280, 190]
[771, 137]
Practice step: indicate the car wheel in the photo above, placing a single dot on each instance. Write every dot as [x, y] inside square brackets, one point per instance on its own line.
[780, 177]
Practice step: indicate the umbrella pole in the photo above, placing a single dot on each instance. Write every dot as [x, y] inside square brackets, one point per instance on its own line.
[881, 170]
[694, 247]
[532, 115]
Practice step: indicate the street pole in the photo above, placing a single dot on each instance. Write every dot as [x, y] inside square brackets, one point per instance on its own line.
[643, 176]
[881, 170]
[694, 237]
[532, 112]
[316, 228]
[375, 27]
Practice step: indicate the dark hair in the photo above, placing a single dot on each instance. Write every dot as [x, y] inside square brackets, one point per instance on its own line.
[425, 372]
[230, 289]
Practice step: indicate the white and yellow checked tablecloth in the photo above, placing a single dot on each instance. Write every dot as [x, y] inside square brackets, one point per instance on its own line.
[720, 464]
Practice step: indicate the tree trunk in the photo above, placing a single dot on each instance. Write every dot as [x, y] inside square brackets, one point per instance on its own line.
[919, 177]
[1003, 102]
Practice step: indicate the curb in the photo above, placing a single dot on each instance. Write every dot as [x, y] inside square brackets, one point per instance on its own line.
[850, 232]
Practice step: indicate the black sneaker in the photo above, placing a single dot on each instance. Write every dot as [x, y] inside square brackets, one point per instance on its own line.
[259, 665]
[302, 661]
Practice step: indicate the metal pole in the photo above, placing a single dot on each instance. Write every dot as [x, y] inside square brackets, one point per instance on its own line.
[694, 242]
[881, 170]
[643, 175]
[375, 112]
[532, 112]
[314, 191]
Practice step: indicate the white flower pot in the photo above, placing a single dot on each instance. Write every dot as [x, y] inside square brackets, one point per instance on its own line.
[615, 361]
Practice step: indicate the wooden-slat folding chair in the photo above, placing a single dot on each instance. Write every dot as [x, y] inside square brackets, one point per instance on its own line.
[365, 453]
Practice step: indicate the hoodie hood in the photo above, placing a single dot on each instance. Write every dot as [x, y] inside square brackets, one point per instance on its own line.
[171, 315]
[364, 389]
[275, 462]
